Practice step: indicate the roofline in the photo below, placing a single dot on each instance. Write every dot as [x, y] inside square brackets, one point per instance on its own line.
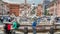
[10, 3]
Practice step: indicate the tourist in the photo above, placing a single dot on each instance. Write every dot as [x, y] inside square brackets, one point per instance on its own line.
[7, 28]
[34, 26]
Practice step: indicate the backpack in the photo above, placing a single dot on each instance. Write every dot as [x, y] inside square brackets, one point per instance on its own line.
[18, 25]
[9, 26]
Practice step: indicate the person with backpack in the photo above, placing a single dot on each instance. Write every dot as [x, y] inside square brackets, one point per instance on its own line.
[7, 28]
[16, 25]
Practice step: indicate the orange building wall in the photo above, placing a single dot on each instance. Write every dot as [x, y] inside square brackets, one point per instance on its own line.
[39, 10]
[14, 8]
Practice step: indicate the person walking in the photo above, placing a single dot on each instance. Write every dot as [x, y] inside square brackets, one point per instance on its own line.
[7, 28]
[15, 26]
[51, 30]
[38, 20]
[34, 26]
[26, 30]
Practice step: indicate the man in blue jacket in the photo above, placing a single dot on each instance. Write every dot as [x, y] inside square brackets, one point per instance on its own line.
[34, 26]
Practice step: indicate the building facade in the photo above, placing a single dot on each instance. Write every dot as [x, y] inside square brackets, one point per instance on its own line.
[51, 8]
[14, 9]
[54, 8]
[39, 10]
[58, 8]
[3, 8]
[23, 9]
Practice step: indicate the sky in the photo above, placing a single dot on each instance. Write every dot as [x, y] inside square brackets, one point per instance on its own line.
[22, 1]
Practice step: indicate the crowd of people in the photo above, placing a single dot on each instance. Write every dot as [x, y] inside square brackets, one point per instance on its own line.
[16, 25]
[5, 19]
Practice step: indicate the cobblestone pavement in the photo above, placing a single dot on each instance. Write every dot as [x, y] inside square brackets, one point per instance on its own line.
[1, 32]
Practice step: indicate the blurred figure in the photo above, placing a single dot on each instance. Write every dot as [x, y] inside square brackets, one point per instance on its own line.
[9, 19]
[15, 25]
[34, 26]
[2, 19]
[25, 30]
[7, 28]
[51, 30]
[38, 20]
[57, 19]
